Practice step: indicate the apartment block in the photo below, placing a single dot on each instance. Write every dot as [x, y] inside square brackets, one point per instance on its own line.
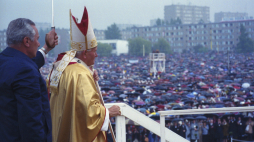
[187, 13]
[226, 16]
[216, 36]
[3, 44]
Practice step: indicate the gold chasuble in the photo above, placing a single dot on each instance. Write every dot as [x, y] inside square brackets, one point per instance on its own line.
[77, 114]
[76, 111]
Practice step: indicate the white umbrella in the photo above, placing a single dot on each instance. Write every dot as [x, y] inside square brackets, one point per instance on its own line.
[246, 85]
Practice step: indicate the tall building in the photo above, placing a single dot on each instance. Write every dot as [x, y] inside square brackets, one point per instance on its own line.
[3, 44]
[126, 34]
[187, 13]
[127, 26]
[228, 16]
[215, 36]
[43, 26]
[99, 34]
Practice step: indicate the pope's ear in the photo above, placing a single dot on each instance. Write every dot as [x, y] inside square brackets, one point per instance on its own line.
[84, 53]
[26, 41]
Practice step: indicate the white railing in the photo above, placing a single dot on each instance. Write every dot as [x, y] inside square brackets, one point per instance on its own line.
[163, 133]
[142, 120]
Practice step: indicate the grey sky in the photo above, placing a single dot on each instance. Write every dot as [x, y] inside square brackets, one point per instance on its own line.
[103, 13]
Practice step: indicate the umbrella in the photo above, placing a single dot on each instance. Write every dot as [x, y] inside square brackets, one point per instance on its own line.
[246, 85]
[128, 88]
[129, 94]
[128, 81]
[155, 116]
[188, 101]
[201, 117]
[143, 97]
[187, 107]
[189, 118]
[219, 105]
[142, 110]
[105, 88]
[122, 95]
[226, 100]
[177, 119]
[201, 97]
[111, 92]
[141, 90]
[160, 106]
[159, 101]
[114, 88]
[247, 117]
[211, 115]
[190, 96]
[209, 95]
[136, 94]
[130, 122]
[167, 120]
[205, 87]
[140, 103]
[226, 115]
[177, 108]
[113, 98]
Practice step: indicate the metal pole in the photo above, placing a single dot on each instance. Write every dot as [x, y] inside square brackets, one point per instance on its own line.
[143, 50]
[228, 62]
[52, 22]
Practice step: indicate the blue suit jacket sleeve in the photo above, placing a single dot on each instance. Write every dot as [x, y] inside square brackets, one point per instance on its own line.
[39, 59]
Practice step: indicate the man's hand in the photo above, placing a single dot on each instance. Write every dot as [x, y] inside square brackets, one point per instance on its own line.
[51, 40]
[114, 111]
[95, 75]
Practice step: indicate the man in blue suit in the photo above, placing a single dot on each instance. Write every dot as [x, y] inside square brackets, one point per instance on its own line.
[24, 104]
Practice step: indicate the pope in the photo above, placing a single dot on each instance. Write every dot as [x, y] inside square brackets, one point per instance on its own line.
[76, 110]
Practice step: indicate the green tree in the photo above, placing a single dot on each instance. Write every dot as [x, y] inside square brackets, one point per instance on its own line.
[167, 23]
[200, 49]
[172, 22]
[113, 32]
[178, 21]
[245, 44]
[201, 21]
[158, 22]
[104, 49]
[42, 34]
[136, 46]
[163, 46]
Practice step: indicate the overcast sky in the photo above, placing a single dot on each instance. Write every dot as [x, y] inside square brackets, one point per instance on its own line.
[103, 13]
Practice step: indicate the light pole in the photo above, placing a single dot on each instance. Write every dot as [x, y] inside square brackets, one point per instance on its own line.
[228, 61]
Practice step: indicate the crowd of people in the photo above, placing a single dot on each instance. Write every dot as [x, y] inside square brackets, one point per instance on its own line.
[191, 81]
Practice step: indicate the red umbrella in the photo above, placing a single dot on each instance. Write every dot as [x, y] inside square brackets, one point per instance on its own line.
[235, 84]
[205, 87]
[160, 106]
[140, 103]
[237, 87]
[111, 92]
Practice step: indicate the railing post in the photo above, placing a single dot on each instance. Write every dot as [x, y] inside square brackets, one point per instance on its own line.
[120, 129]
[162, 123]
